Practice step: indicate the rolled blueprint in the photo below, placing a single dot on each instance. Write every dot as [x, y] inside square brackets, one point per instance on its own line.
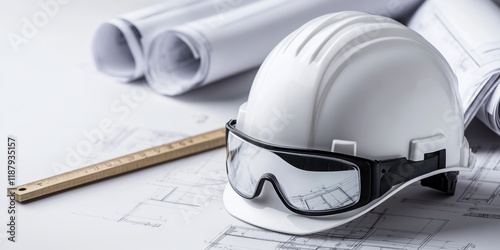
[490, 111]
[203, 51]
[466, 33]
[119, 44]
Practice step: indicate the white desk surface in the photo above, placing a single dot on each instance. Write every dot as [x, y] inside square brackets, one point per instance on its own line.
[51, 93]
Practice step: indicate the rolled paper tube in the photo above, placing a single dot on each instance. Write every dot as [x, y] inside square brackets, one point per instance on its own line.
[200, 52]
[119, 44]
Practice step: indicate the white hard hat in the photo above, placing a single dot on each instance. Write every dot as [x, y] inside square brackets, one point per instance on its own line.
[344, 112]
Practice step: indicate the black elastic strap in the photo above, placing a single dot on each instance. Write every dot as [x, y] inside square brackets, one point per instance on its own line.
[393, 172]
[445, 182]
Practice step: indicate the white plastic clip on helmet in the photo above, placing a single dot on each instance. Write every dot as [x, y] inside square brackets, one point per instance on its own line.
[344, 112]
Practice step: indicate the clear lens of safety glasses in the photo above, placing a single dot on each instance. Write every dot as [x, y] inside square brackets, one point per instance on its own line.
[305, 182]
[312, 182]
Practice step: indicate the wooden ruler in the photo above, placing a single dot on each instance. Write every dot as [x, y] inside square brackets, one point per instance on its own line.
[120, 165]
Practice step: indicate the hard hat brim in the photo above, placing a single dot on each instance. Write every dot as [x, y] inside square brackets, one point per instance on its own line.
[267, 211]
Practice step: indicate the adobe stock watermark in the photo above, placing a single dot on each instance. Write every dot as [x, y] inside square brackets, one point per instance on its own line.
[223, 6]
[122, 107]
[392, 8]
[203, 195]
[281, 119]
[30, 28]
[278, 122]
[367, 33]
[443, 135]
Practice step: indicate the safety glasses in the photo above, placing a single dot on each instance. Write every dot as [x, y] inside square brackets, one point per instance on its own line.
[313, 182]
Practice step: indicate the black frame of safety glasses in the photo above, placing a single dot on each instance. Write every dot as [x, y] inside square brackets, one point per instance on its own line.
[376, 177]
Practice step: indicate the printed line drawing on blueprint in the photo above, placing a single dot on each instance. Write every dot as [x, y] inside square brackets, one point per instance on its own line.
[124, 140]
[188, 189]
[377, 230]
[186, 186]
[484, 186]
[120, 141]
[327, 197]
[481, 196]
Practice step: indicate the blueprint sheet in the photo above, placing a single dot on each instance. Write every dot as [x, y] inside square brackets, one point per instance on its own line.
[178, 205]
[470, 45]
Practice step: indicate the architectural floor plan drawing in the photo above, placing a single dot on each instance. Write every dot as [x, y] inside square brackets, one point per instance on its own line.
[120, 141]
[484, 184]
[188, 190]
[186, 187]
[125, 140]
[181, 202]
[480, 195]
[377, 230]
[417, 218]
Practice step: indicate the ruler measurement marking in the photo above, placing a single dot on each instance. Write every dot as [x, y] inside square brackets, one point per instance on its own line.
[120, 165]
